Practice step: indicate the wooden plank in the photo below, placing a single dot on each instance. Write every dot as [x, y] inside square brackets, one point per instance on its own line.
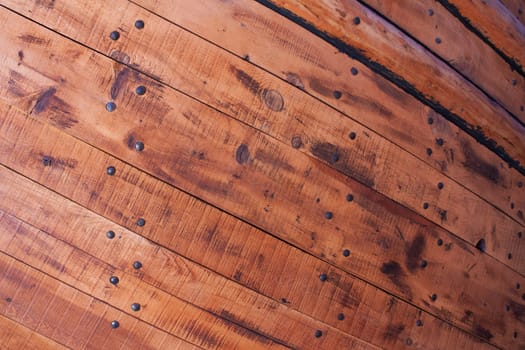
[472, 166]
[62, 313]
[437, 29]
[516, 7]
[493, 22]
[413, 68]
[79, 230]
[249, 256]
[368, 158]
[14, 336]
[91, 276]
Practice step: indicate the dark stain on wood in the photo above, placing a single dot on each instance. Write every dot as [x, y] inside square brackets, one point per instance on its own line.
[120, 81]
[482, 332]
[20, 57]
[393, 331]
[273, 100]
[372, 105]
[520, 215]
[242, 155]
[518, 310]
[62, 163]
[273, 159]
[295, 80]
[207, 339]
[43, 100]
[31, 39]
[414, 253]
[319, 87]
[250, 83]
[478, 165]
[13, 83]
[237, 276]
[45, 3]
[244, 328]
[395, 273]
[442, 215]
[326, 152]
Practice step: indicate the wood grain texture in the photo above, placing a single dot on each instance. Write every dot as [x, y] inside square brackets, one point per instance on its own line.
[62, 313]
[119, 198]
[437, 29]
[516, 7]
[369, 159]
[496, 24]
[14, 336]
[401, 58]
[372, 100]
[91, 276]
[69, 227]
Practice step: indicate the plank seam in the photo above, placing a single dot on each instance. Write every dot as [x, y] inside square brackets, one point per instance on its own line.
[468, 24]
[486, 94]
[399, 81]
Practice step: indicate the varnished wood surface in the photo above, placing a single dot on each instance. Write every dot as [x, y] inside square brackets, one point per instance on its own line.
[266, 225]
[380, 42]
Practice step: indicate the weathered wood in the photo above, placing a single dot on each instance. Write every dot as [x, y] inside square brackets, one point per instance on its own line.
[82, 233]
[437, 29]
[407, 63]
[91, 276]
[14, 336]
[494, 23]
[367, 158]
[62, 313]
[129, 195]
[469, 164]
[517, 8]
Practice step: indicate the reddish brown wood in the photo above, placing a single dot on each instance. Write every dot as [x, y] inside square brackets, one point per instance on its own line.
[166, 208]
[369, 158]
[382, 43]
[516, 7]
[436, 28]
[62, 313]
[14, 336]
[375, 100]
[69, 227]
[497, 24]
[91, 276]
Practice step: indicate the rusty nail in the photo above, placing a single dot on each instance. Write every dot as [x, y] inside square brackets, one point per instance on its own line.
[113, 280]
[135, 306]
[354, 71]
[318, 334]
[346, 252]
[328, 215]
[337, 94]
[425, 205]
[141, 222]
[137, 265]
[115, 324]
[110, 170]
[110, 234]
[356, 20]
[139, 146]
[323, 277]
